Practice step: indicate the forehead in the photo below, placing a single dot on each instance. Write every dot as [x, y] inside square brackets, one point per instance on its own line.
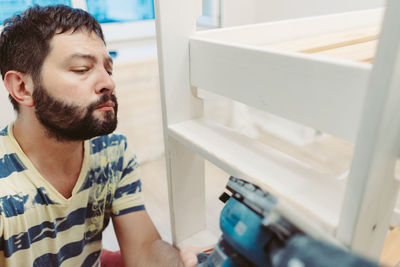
[66, 44]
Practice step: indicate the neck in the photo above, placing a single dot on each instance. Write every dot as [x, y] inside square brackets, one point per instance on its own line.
[45, 152]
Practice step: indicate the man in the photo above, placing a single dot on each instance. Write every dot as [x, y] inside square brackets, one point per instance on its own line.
[63, 175]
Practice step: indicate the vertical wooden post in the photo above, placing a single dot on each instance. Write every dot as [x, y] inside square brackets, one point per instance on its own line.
[372, 190]
[175, 22]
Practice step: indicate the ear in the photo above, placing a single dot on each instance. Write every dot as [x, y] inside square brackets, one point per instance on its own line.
[20, 87]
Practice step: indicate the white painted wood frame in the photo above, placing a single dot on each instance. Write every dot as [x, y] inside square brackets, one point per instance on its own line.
[237, 63]
[372, 188]
[355, 101]
[185, 169]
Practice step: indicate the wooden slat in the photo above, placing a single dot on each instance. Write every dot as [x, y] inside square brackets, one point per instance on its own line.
[327, 41]
[185, 185]
[372, 189]
[354, 44]
[258, 66]
[319, 92]
[363, 52]
[391, 250]
[315, 195]
[204, 238]
[288, 30]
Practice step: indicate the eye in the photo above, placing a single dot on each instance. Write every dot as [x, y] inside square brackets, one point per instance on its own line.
[110, 72]
[80, 71]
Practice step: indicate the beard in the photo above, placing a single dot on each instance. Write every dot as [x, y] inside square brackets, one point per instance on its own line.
[68, 122]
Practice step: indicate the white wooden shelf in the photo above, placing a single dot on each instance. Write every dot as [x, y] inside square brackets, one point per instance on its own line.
[202, 239]
[315, 71]
[272, 170]
[310, 64]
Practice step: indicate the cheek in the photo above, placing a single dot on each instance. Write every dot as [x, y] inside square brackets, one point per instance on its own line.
[69, 87]
[71, 92]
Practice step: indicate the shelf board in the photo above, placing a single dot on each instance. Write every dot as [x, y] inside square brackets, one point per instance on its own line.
[313, 70]
[357, 44]
[203, 239]
[338, 26]
[316, 91]
[316, 194]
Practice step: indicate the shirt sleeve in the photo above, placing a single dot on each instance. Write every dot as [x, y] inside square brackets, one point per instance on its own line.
[128, 195]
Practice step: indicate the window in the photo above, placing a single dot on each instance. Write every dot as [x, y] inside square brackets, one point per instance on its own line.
[211, 14]
[120, 10]
[10, 7]
[122, 20]
[103, 10]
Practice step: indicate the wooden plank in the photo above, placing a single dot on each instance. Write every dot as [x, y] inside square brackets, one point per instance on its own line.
[185, 169]
[390, 254]
[321, 93]
[363, 52]
[353, 44]
[204, 238]
[372, 189]
[173, 57]
[327, 41]
[396, 213]
[186, 191]
[288, 30]
[315, 195]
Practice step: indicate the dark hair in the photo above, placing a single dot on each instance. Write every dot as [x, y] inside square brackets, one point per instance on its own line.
[25, 39]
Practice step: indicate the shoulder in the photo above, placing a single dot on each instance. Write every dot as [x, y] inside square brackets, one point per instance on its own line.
[107, 142]
[3, 131]
[3, 137]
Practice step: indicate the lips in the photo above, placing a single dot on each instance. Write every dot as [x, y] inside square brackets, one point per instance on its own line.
[109, 105]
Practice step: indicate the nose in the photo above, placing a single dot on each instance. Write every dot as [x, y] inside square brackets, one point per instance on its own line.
[106, 84]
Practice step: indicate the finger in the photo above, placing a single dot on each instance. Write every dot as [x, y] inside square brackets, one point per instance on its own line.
[189, 256]
[190, 261]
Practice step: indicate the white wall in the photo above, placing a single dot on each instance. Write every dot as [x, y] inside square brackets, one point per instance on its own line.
[6, 111]
[238, 12]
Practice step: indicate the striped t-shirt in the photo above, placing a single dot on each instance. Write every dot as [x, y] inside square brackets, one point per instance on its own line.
[40, 227]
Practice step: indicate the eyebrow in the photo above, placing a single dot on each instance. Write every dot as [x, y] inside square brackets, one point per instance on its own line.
[108, 60]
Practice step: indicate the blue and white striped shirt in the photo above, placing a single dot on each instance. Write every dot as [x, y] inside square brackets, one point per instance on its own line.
[40, 227]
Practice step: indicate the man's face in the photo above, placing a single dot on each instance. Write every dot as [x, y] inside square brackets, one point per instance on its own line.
[74, 98]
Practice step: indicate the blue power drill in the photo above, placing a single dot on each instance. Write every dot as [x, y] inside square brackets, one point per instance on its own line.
[253, 235]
